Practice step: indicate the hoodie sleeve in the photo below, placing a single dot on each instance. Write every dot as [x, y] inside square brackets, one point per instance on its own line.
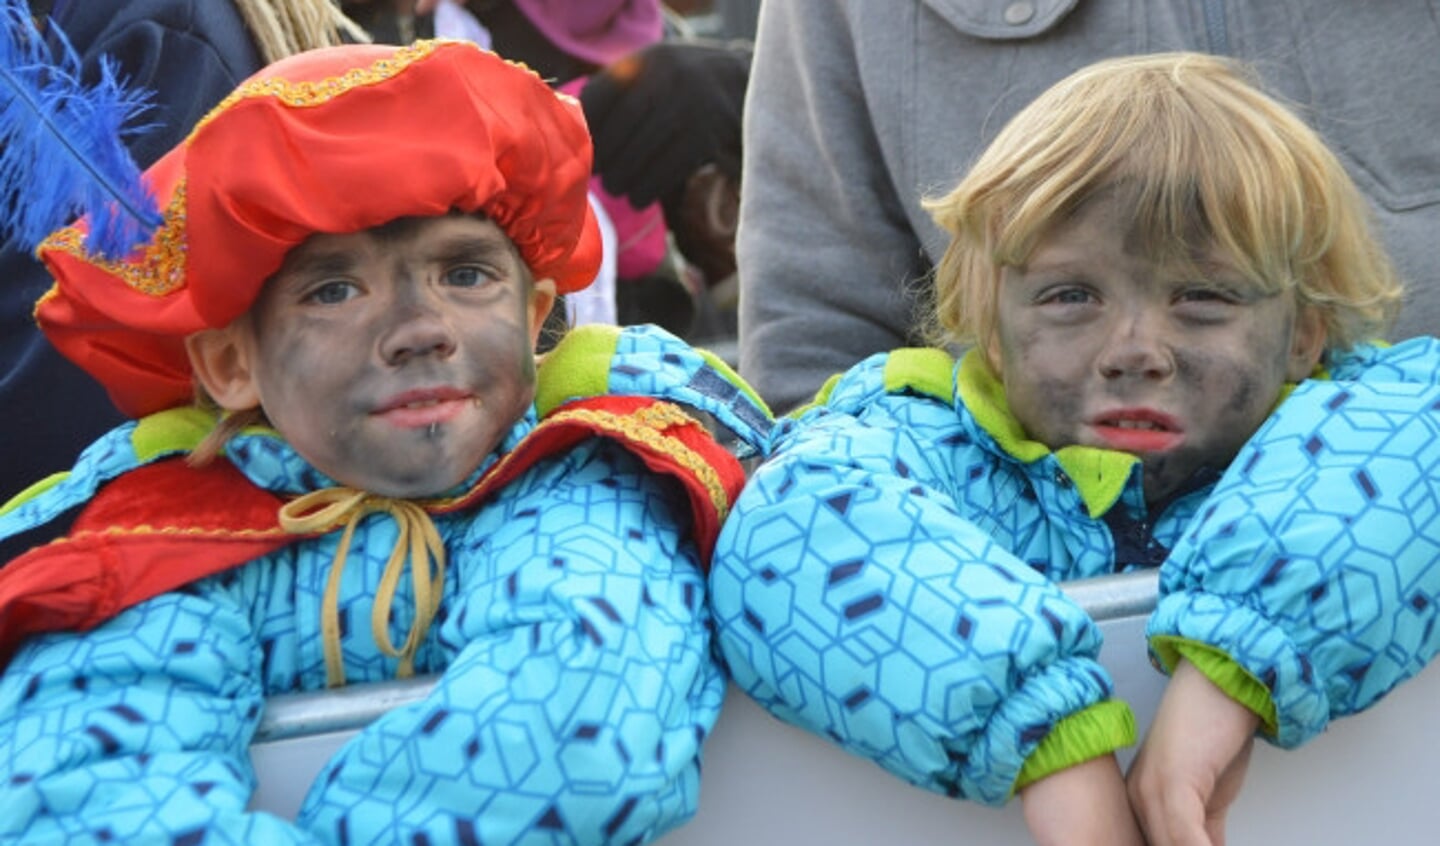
[1313, 570]
[854, 600]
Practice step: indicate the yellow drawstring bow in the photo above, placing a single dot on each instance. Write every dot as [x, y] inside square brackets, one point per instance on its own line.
[418, 543]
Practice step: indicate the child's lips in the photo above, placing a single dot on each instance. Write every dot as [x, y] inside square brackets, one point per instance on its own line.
[421, 408]
[1137, 430]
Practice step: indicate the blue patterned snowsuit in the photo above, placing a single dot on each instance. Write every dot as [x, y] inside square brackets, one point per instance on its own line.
[887, 578]
[577, 686]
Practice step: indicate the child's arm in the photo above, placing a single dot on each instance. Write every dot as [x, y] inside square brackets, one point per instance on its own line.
[136, 732]
[852, 599]
[1313, 571]
[580, 684]
[1191, 766]
[1080, 805]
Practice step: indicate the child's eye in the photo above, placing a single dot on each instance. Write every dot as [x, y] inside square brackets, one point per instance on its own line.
[1206, 303]
[1204, 295]
[330, 293]
[467, 276]
[1067, 296]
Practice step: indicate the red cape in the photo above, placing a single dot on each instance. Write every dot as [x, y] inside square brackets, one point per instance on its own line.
[167, 524]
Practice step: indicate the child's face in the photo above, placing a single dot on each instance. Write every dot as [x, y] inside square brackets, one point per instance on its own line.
[394, 359]
[1101, 343]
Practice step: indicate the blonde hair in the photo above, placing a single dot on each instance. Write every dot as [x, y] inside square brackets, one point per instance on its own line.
[1198, 144]
[283, 28]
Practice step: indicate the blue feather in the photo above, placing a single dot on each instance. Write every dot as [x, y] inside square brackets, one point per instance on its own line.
[62, 144]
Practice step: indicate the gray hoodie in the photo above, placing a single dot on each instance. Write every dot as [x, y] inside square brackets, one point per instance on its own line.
[858, 108]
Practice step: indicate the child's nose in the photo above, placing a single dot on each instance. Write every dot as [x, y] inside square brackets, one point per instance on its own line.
[1137, 349]
[417, 329]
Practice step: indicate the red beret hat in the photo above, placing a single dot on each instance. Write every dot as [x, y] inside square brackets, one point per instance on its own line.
[335, 140]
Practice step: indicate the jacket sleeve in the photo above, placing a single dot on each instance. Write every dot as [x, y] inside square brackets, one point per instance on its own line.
[582, 682]
[823, 242]
[1313, 569]
[137, 731]
[853, 599]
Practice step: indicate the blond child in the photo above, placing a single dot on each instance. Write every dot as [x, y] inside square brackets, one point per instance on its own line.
[1146, 260]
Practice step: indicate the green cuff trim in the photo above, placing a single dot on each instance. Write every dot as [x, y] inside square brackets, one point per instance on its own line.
[1098, 730]
[33, 491]
[1223, 672]
[578, 366]
[171, 431]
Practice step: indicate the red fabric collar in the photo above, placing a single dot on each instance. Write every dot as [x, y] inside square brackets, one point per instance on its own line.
[132, 542]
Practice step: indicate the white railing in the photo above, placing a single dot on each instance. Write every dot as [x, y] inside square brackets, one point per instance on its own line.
[1371, 778]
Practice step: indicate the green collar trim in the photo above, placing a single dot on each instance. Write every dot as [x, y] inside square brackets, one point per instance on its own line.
[33, 491]
[926, 371]
[170, 431]
[175, 430]
[1099, 475]
[179, 430]
[578, 366]
[822, 396]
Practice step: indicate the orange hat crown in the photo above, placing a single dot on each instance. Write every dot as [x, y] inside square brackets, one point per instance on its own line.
[335, 140]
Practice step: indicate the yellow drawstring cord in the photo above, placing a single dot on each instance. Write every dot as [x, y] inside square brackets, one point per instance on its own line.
[418, 543]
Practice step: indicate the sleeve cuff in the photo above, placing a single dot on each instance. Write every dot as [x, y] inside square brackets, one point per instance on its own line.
[1223, 672]
[1098, 730]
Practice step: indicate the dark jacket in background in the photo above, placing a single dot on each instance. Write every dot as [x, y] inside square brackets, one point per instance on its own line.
[190, 54]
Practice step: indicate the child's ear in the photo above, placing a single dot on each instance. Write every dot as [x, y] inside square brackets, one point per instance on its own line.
[1307, 344]
[221, 360]
[542, 298]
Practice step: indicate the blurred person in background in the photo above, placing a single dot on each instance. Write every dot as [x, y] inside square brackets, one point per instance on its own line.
[858, 109]
[664, 108]
[188, 54]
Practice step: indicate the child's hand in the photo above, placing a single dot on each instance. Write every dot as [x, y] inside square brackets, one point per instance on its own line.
[1084, 804]
[1192, 762]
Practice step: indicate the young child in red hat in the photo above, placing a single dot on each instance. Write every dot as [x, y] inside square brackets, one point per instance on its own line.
[357, 250]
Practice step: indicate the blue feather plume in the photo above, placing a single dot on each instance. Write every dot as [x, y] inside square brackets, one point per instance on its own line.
[62, 150]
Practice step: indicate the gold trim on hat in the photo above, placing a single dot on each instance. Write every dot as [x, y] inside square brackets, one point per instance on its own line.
[162, 268]
[316, 92]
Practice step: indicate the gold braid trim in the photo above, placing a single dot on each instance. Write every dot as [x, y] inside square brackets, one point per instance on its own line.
[173, 531]
[646, 427]
[308, 93]
[643, 426]
[418, 545]
[159, 272]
